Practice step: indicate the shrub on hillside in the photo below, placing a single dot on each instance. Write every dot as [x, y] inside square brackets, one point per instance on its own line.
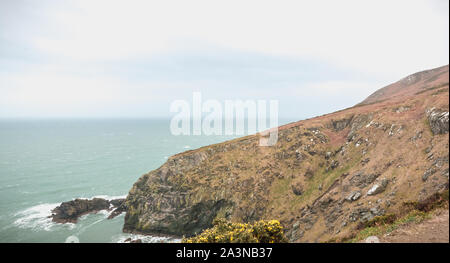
[228, 232]
[436, 200]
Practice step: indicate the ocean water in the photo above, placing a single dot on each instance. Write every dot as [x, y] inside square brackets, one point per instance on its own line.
[46, 162]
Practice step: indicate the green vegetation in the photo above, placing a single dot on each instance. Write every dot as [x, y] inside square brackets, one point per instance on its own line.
[228, 232]
[378, 220]
[382, 225]
[327, 178]
[413, 212]
[437, 200]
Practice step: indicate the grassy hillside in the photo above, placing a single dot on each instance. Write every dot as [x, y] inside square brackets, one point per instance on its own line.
[324, 176]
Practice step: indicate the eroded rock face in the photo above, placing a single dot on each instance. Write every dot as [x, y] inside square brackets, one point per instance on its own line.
[438, 120]
[172, 214]
[356, 124]
[69, 212]
[164, 202]
[341, 124]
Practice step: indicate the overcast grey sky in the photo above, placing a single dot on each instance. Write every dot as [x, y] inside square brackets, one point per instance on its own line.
[132, 58]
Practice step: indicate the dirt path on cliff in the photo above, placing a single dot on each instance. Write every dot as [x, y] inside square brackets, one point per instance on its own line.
[434, 230]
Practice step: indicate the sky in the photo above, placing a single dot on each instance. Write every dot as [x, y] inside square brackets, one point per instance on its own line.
[131, 59]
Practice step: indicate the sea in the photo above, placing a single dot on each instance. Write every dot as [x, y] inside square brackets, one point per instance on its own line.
[44, 162]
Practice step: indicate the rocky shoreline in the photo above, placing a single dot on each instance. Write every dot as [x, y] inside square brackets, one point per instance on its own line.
[70, 211]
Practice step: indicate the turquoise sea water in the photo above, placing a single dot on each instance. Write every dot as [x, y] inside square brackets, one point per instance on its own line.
[46, 162]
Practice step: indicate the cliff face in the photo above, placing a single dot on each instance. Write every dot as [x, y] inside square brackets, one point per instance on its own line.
[321, 179]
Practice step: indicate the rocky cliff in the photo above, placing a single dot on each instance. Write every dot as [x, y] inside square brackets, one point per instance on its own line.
[323, 177]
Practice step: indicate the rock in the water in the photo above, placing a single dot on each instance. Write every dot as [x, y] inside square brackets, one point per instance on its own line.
[120, 207]
[69, 212]
[129, 240]
[378, 187]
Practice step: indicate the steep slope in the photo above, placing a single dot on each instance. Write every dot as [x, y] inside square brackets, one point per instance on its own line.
[418, 82]
[323, 177]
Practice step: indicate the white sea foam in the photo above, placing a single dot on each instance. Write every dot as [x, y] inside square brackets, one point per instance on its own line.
[105, 212]
[37, 218]
[145, 239]
[106, 197]
[109, 198]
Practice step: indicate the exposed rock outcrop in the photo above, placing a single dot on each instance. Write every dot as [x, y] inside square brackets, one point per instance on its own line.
[378, 187]
[164, 202]
[438, 120]
[353, 196]
[339, 125]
